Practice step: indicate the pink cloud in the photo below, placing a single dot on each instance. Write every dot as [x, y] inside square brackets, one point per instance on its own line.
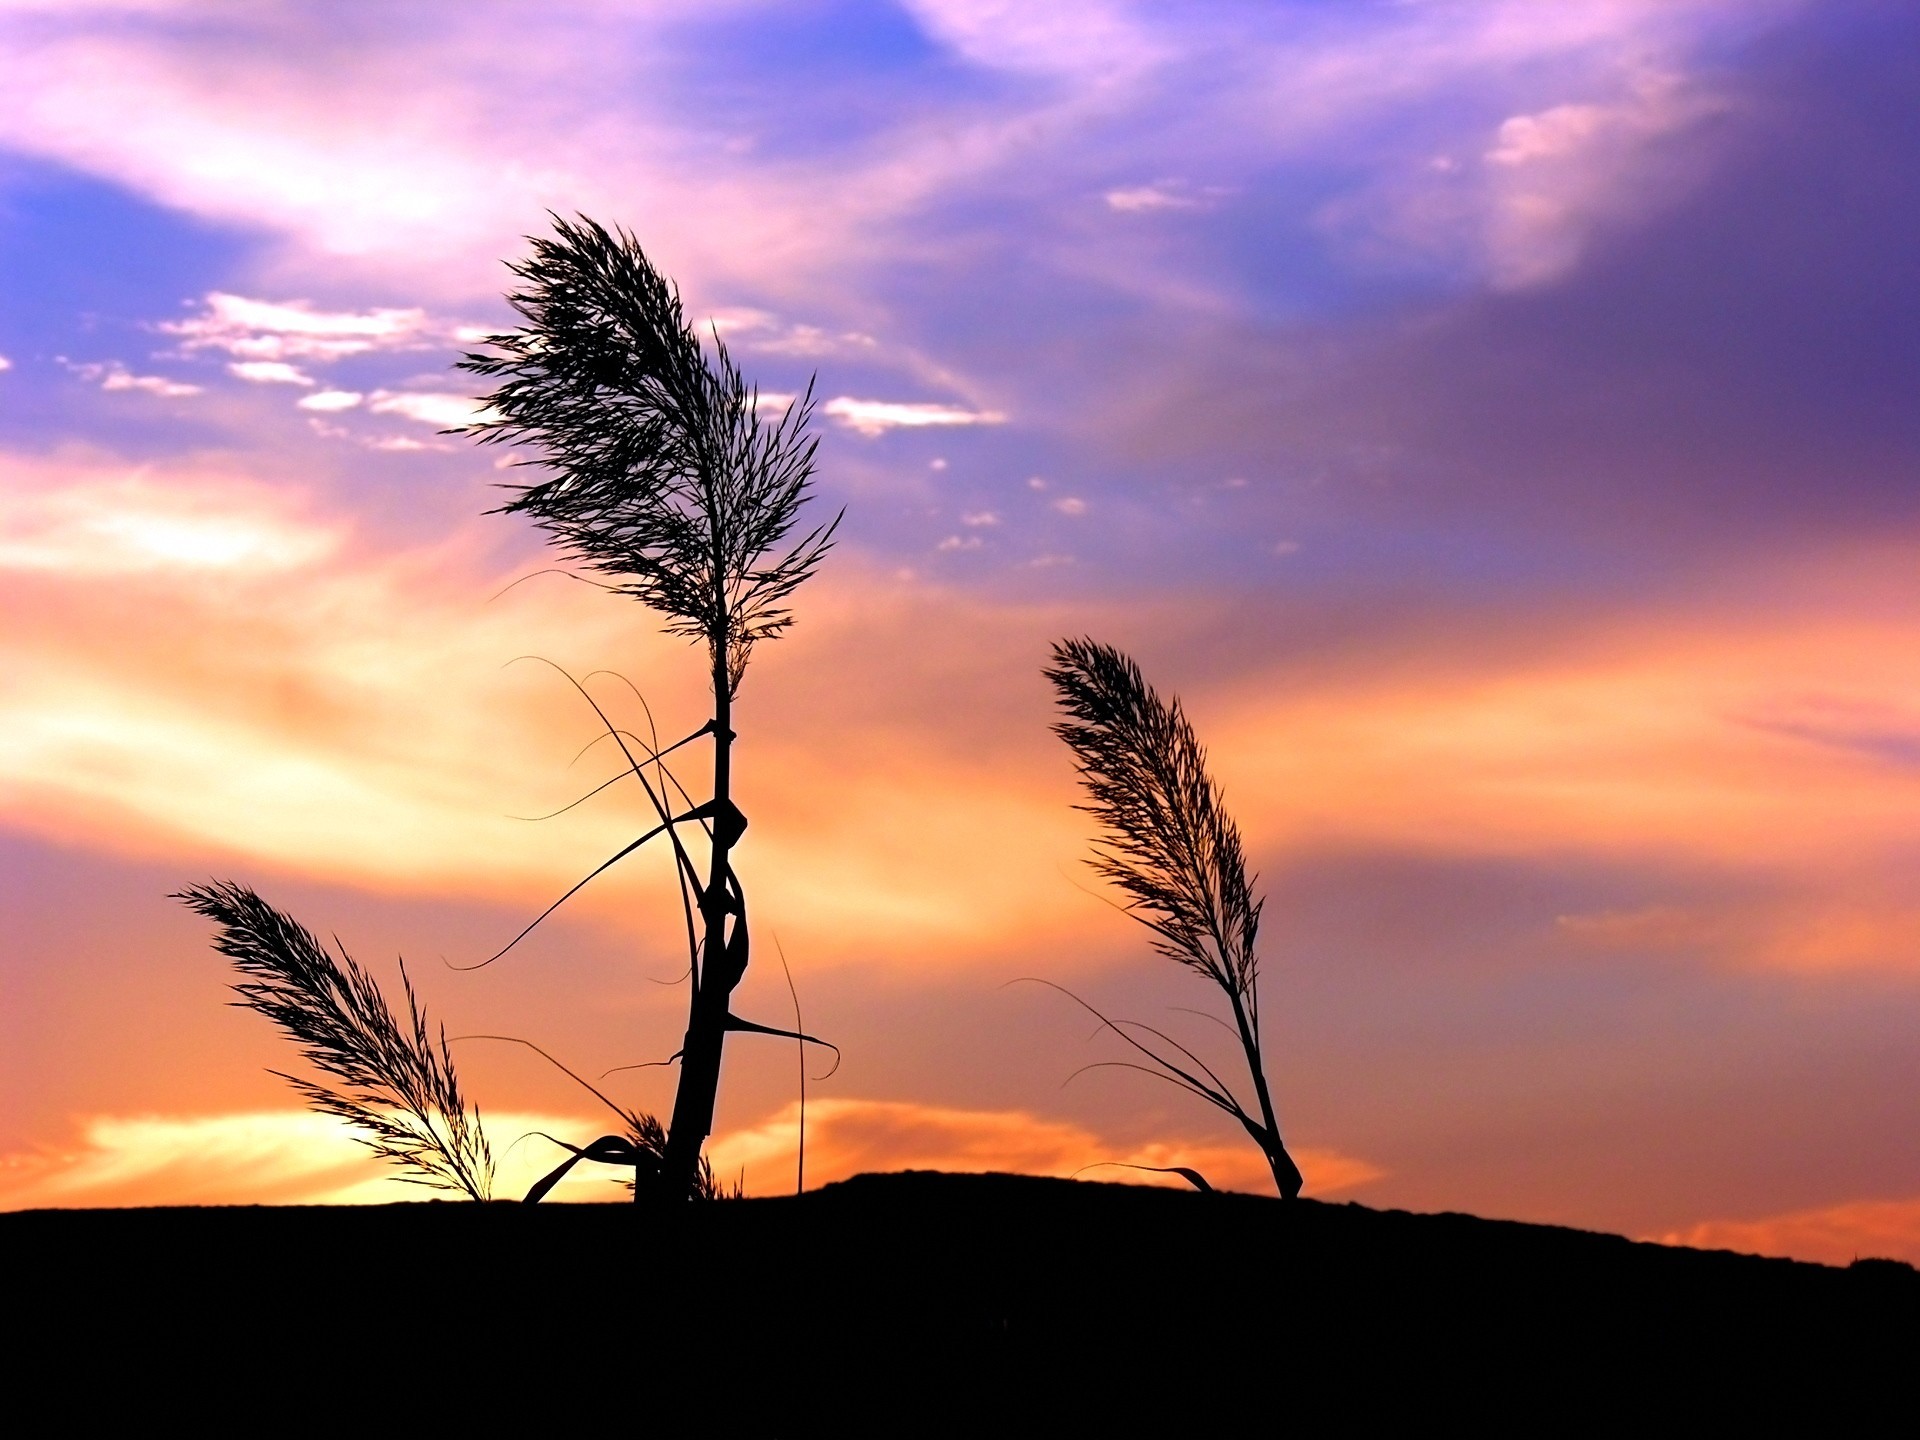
[846, 1137]
[1831, 1235]
[294, 1157]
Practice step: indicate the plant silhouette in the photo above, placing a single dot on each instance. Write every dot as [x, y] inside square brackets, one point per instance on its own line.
[397, 1083]
[1172, 849]
[666, 481]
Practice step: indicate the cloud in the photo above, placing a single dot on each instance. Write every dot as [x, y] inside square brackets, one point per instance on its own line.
[1097, 41]
[392, 148]
[1636, 742]
[1145, 198]
[1557, 174]
[364, 722]
[876, 417]
[300, 1158]
[5, 364]
[428, 407]
[263, 1158]
[846, 1137]
[327, 401]
[1817, 933]
[1520, 206]
[112, 375]
[264, 332]
[762, 332]
[1071, 505]
[269, 372]
[139, 520]
[1830, 1235]
[1162, 195]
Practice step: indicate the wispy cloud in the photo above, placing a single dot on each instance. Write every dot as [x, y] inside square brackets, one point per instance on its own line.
[1832, 1234]
[1161, 195]
[299, 1158]
[368, 729]
[265, 332]
[762, 332]
[439, 409]
[330, 400]
[140, 521]
[876, 417]
[274, 1157]
[1099, 42]
[112, 375]
[846, 1137]
[269, 372]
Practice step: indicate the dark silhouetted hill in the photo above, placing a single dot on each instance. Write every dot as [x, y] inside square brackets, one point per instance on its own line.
[935, 1304]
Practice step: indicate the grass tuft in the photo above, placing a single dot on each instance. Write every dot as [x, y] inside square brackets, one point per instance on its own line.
[396, 1081]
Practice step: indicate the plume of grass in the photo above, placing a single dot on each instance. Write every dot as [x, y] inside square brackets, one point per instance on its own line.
[666, 478]
[1169, 846]
[395, 1080]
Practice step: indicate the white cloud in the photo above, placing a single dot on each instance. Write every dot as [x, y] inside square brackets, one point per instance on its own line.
[1554, 174]
[763, 332]
[1094, 41]
[437, 408]
[957, 542]
[1163, 195]
[266, 331]
[329, 400]
[980, 517]
[874, 417]
[1545, 181]
[5, 363]
[269, 372]
[1147, 197]
[1071, 505]
[112, 375]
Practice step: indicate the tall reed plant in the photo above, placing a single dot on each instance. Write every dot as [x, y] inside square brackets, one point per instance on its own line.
[661, 477]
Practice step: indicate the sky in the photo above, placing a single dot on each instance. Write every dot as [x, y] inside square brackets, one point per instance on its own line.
[1495, 421]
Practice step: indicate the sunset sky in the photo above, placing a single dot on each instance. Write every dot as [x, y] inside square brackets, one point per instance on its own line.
[1498, 421]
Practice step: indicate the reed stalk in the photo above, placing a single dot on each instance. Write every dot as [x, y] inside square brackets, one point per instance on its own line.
[1172, 850]
[663, 480]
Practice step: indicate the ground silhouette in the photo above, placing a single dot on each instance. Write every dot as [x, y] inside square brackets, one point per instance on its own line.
[924, 1303]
